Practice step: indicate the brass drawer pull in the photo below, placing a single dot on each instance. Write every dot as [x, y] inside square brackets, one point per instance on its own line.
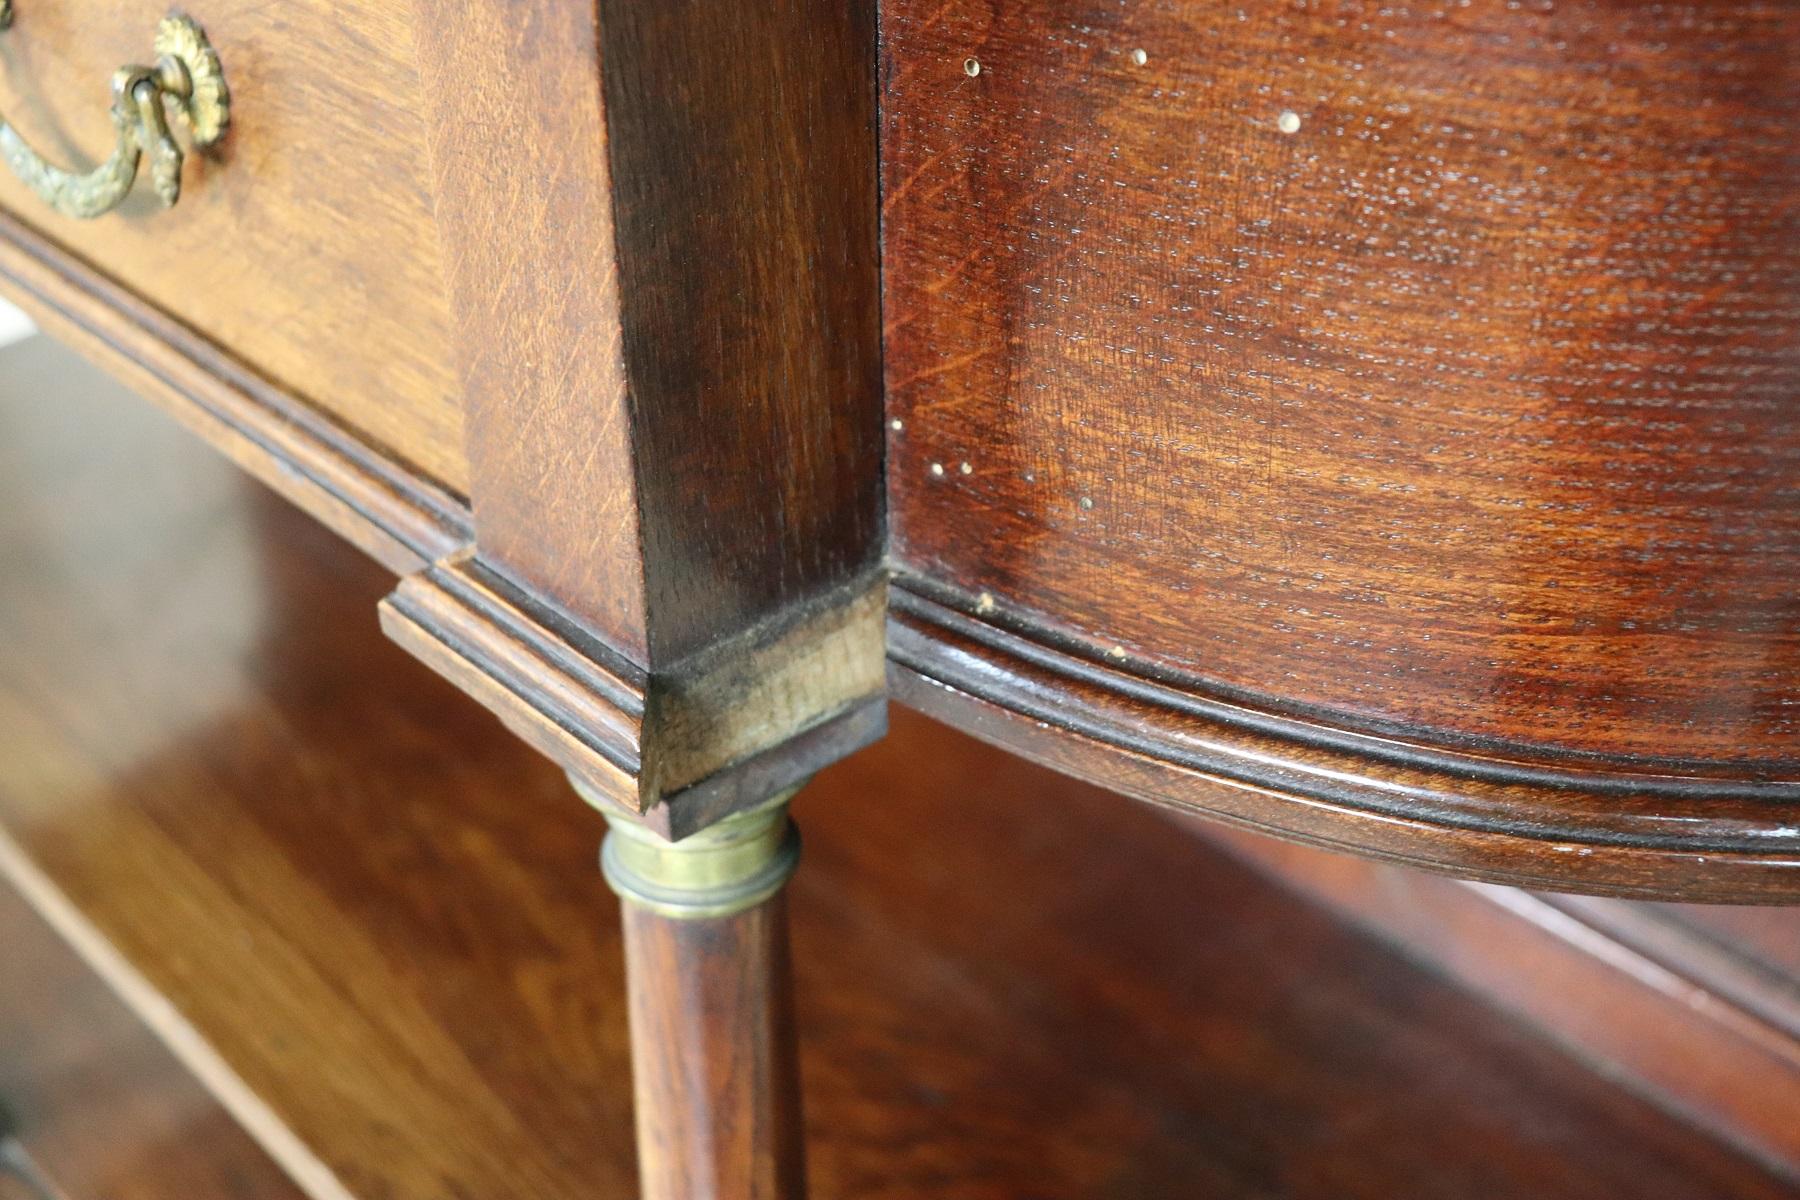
[186, 77]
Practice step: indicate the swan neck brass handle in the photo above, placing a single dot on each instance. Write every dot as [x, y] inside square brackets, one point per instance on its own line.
[185, 79]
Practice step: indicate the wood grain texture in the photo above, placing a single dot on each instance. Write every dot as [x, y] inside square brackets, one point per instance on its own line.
[1420, 372]
[525, 217]
[670, 476]
[304, 244]
[714, 1059]
[1708, 1030]
[322, 917]
[102, 1108]
[384, 912]
[665, 283]
[1282, 1045]
[664, 279]
[743, 151]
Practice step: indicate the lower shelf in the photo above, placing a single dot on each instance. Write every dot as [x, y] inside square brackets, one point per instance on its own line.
[98, 1106]
[383, 916]
[1696, 1006]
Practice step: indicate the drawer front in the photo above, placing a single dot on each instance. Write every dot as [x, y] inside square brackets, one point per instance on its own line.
[98, 1107]
[1433, 378]
[303, 243]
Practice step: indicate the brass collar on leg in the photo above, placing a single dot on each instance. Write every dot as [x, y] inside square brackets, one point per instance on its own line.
[723, 869]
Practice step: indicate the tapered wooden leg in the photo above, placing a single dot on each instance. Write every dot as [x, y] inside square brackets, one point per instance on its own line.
[712, 1032]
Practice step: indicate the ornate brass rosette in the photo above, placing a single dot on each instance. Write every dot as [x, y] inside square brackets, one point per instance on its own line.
[207, 104]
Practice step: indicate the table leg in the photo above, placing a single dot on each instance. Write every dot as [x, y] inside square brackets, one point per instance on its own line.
[714, 1056]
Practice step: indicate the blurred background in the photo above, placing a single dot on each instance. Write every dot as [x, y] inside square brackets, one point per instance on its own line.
[14, 324]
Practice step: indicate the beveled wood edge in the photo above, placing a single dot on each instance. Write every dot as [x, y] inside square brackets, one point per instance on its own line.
[583, 714]
[396, 516]
[1184, 692]
[679, 749]
[754, 691]
[409, 524]
[1480, 818]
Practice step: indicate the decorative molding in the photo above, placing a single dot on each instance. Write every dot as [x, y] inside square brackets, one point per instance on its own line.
[1602, 831]
[397, 517]
[721, 731]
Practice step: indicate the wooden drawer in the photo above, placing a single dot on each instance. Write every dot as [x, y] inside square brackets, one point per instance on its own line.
[304, 243]
[102, 1108]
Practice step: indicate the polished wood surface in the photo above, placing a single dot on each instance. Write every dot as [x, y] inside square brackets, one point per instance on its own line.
[383, 912]
[275, 831]
[1475, 817]
[304, 245]
[714, 1061]
[398, 519]
[103, 1109]
[1463, 411]
[666, 311]
[1391, 409]
[666, 301]
[1497, 587]
[660, 559]
[1670, 998]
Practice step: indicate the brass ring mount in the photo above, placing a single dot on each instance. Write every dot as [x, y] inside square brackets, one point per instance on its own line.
[185, 79]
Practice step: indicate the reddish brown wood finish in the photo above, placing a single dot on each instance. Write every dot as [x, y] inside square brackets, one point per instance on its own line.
[392, 514]
[714, 1059]
[656, 299]
[665, 283]
[1420, 373]
[664, 280]
[103, 1109]
[1477, 817]
[382, 910]
[1675, 1011]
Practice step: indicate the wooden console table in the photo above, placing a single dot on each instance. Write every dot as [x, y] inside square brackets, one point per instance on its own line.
[1369, 426]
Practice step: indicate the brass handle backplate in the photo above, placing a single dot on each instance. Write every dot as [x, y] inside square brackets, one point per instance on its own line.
[185, 79]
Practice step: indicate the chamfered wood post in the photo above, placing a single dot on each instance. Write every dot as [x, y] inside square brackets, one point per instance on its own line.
[714, 1056]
